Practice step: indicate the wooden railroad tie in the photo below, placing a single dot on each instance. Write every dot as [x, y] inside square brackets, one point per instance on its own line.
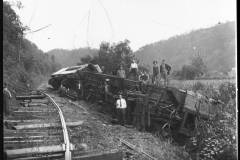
[47, 125]
[115, 154]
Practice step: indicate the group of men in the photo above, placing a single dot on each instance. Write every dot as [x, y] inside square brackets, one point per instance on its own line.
[133, 73]
[159, 72]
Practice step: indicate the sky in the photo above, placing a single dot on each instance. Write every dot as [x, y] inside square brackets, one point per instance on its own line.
[86, 23]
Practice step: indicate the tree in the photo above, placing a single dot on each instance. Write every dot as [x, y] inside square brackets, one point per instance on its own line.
[111, 56]
[86, 59]
[188, 72]
[198, 64]
[53, 58]
[33, 60]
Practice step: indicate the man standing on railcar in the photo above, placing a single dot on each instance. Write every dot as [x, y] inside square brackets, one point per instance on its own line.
[121, 72]
[134, 70]
[155, 77]
[121, 107]
[165, 71]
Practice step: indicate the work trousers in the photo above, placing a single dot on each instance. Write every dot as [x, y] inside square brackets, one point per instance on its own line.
[133, 75]
[121, 114]
[6, 109]
[164, 75]
[155, 79]
[79, 94]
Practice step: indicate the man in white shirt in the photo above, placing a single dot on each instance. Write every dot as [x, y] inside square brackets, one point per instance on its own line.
[134, 70]
[121, 107]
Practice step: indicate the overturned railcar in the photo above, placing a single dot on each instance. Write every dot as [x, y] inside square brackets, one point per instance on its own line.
[67, 76]
[149, 106]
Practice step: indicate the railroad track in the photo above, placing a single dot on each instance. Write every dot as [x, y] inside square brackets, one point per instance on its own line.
[37, 130]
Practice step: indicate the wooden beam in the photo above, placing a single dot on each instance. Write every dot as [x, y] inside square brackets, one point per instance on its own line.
[23, 121]
[37, 104]
[29, 141]
[47, 125]
[30, 137]
[28, 97]
[116, 155]
[41, 157]
[21, 111]
[30, 104]
[39, 150]
[40, 100]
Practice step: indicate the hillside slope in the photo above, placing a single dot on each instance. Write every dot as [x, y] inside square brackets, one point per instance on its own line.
[215, 44]
[71, 57]
[23, 62]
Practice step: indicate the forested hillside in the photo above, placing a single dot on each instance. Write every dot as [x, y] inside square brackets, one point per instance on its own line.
[71, 57]
[216, 45]
[23, 61]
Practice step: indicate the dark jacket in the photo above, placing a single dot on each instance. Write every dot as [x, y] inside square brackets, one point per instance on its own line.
[155, 70]
[168, 68]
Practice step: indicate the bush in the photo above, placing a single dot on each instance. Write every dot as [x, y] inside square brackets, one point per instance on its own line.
[216, 138]
[198, 86]
[227, 91]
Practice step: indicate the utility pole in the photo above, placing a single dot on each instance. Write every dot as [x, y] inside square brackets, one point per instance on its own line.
[20, 38]
[19, 47]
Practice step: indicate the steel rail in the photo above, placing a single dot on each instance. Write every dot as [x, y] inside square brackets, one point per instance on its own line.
[64, 128]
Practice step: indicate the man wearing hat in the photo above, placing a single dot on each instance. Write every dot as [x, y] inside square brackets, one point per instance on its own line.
[6, 97]
[121, 107]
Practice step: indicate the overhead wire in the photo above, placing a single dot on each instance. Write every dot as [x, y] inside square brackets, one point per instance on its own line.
[39, 29]
[33, 14]
[89, 13]
[81, 21]
[108, 17]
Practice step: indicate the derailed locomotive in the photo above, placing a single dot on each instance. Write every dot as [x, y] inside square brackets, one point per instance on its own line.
[149, 106]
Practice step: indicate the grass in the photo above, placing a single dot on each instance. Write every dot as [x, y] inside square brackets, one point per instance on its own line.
[188, 84]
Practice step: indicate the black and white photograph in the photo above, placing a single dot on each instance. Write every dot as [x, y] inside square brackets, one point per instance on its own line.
[119, 80]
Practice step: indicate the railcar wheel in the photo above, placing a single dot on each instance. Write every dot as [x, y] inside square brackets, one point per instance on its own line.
[54, 83]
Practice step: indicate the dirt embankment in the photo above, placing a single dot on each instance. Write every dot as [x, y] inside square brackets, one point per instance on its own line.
[99, 134]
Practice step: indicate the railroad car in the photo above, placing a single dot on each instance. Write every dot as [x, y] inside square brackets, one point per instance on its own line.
[149, 107]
